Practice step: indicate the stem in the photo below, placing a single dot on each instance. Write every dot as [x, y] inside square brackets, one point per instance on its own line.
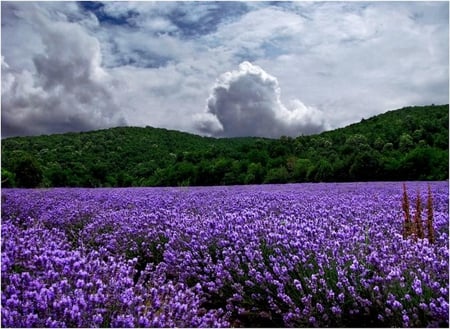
[405, 207]
[430, 216]
[418, 218]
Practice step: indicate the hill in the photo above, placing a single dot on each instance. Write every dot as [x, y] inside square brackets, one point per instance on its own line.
[406, 144]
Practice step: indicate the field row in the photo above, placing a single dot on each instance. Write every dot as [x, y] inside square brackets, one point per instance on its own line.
[296, 255]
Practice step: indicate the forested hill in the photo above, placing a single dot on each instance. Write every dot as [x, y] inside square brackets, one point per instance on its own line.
[406, 144]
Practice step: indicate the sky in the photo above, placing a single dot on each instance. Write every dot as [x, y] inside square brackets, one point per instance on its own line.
[221, 69]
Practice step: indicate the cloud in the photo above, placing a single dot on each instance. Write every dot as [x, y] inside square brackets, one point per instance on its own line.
[354, 60]
[155, 34]
[246, 102]
[65, 89]
[261, 33]
[69, 66]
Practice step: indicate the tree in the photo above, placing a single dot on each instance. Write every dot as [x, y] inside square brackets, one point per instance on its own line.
[184, 173]
[301, 169]
[323, 172]
[425, 163]
[7, 178]
[378, 144]
[28, 172]
[136, 156]
[255, 174]
[276, 175]
[388, 147]
[236, 174]
[98, 172]
[405, 142]
[258, 155]
[123, 179]
[57, 175]
[366, 166]
[356, 141]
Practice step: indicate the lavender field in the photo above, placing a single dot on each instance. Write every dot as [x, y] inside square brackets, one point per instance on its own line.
[299, 255]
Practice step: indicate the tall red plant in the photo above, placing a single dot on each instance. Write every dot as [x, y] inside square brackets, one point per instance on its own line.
[430, 228]
[405, 207]
[415, 226]
[418, 218]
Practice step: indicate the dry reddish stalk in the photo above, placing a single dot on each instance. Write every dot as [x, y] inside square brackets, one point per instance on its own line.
[430, 216]
[418, 218]
[405, 206]
[415, 226]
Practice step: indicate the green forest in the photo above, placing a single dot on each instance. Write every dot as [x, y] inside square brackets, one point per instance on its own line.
[406, 144]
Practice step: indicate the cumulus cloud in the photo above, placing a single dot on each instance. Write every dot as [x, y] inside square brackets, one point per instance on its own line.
[69, 66]
[355, 60]
[66, 89]
[246, 102]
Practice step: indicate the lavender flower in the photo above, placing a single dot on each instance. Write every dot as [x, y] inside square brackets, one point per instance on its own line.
[275, 255]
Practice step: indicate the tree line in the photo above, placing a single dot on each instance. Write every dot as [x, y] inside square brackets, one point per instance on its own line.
[406, 144]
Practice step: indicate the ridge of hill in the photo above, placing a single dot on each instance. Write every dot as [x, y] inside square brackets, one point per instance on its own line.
[406, 144]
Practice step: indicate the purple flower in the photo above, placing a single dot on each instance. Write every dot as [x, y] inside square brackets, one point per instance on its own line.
[396, 305]
[97, 319]
[405, 320]
[319, 307]
[336, 310]
[297, 285]
[330, 294]
[417, 286]
[313, 321]
[167, 258]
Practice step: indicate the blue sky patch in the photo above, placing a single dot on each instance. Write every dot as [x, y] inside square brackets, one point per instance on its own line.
[97, 9]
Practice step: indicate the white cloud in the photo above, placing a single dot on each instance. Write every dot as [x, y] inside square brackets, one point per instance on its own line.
[258, 33]
[354, 60]
[154, 63]
[246, 102]
[67, 89]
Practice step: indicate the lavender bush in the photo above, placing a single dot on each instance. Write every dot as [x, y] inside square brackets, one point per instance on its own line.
[276, 255]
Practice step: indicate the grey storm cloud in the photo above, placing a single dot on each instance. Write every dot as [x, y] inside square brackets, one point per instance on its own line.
[65, 90]
[247, 102]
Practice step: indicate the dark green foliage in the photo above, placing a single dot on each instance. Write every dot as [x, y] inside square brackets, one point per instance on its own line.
[27, 171]
[366, 166]
[424, 163]
[276, 175]
[410, 143]
[322, 172]
[7, 178]
[57, 176]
